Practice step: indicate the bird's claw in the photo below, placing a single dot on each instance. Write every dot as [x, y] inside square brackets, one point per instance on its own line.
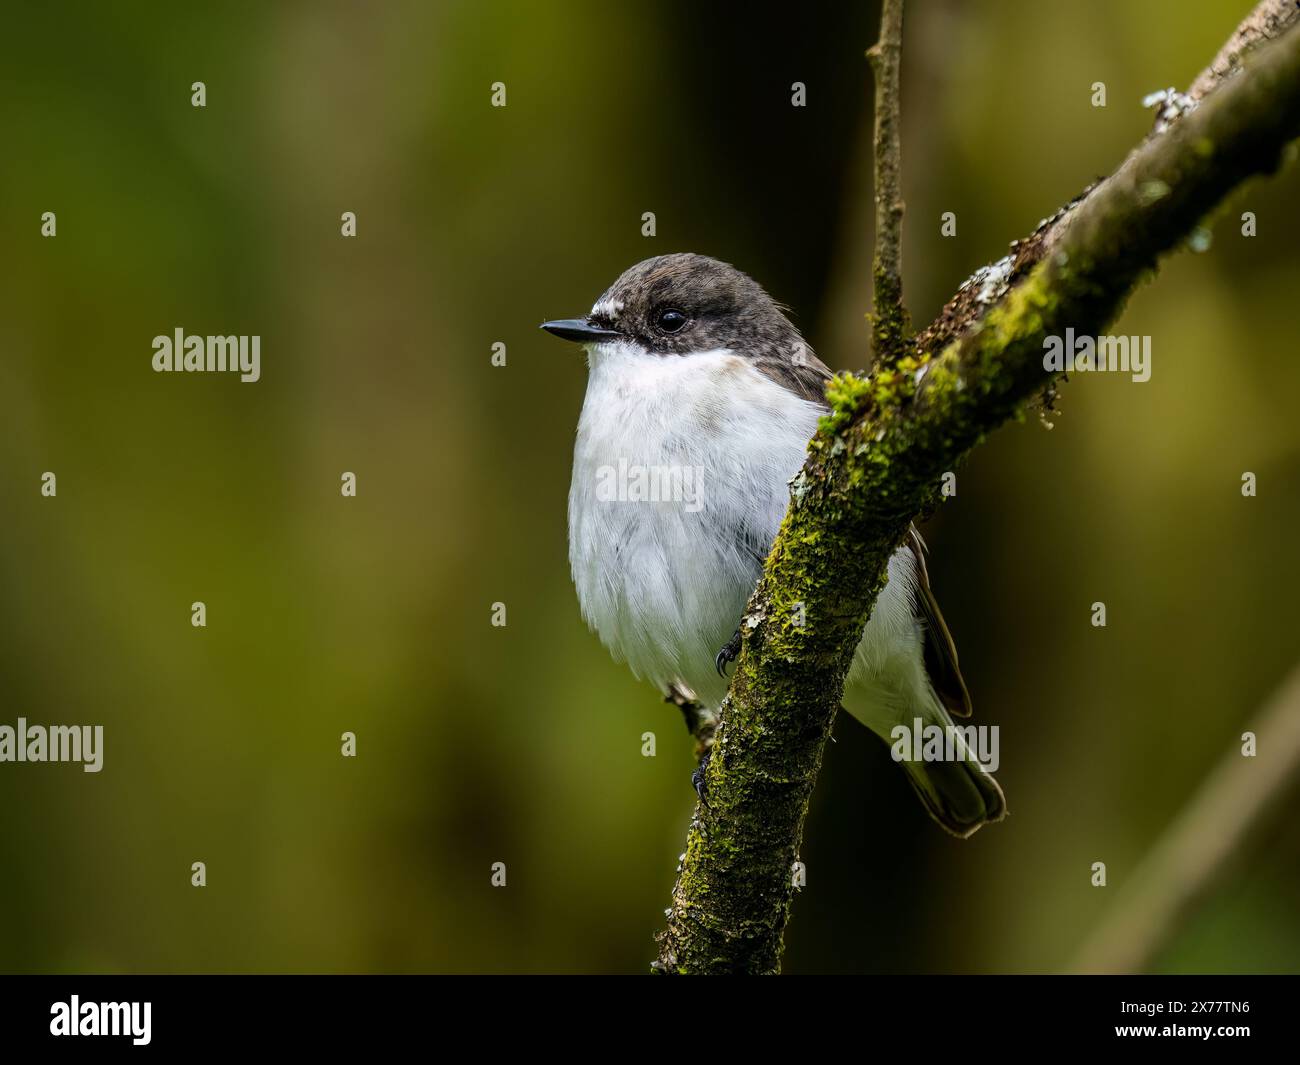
[697, 778]
[728, 654]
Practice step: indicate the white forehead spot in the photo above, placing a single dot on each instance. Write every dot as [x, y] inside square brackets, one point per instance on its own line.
[607, 308]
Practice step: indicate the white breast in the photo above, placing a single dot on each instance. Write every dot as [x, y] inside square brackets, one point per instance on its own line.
[664, 580]
[713, 444]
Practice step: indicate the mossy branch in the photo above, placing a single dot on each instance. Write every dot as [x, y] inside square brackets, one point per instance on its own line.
[875, 465]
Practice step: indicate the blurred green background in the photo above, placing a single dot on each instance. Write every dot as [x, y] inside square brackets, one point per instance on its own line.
[523, 745]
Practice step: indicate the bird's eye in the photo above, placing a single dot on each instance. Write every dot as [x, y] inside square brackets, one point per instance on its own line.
[670, 321]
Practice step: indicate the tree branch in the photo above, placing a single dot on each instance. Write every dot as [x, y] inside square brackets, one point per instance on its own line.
[875, 465]
[1265, 22]
[1215, 827]
[890, 324]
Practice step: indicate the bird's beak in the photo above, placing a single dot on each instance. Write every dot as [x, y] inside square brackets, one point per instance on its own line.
[579, 330]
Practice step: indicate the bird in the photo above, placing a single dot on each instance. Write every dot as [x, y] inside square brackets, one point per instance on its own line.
[701, 399]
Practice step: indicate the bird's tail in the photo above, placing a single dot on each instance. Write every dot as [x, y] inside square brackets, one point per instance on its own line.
[956, 789]
[962, 795]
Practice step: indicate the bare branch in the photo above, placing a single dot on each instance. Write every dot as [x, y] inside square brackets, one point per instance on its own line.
[1265, 22]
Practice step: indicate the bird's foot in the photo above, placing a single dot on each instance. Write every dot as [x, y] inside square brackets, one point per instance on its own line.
[728, 654]
[697, 778]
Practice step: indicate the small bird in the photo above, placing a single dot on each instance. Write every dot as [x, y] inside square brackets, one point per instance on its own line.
[701, 399]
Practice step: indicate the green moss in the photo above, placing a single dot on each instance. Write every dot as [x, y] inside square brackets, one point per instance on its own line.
[890, 323]
[848, 395]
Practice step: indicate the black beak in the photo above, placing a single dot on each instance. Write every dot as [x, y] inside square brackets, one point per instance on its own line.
[579, 330]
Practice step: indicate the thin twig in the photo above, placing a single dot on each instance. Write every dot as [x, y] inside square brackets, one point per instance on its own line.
[1222, 818]
[890, 324]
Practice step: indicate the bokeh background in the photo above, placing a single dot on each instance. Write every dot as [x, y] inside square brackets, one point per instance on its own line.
[523, 744]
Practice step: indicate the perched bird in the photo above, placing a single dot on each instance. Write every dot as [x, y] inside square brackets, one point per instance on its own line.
[701, 399]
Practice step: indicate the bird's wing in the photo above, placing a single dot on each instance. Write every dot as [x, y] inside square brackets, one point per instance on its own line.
[805, 377]
[940, 651]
